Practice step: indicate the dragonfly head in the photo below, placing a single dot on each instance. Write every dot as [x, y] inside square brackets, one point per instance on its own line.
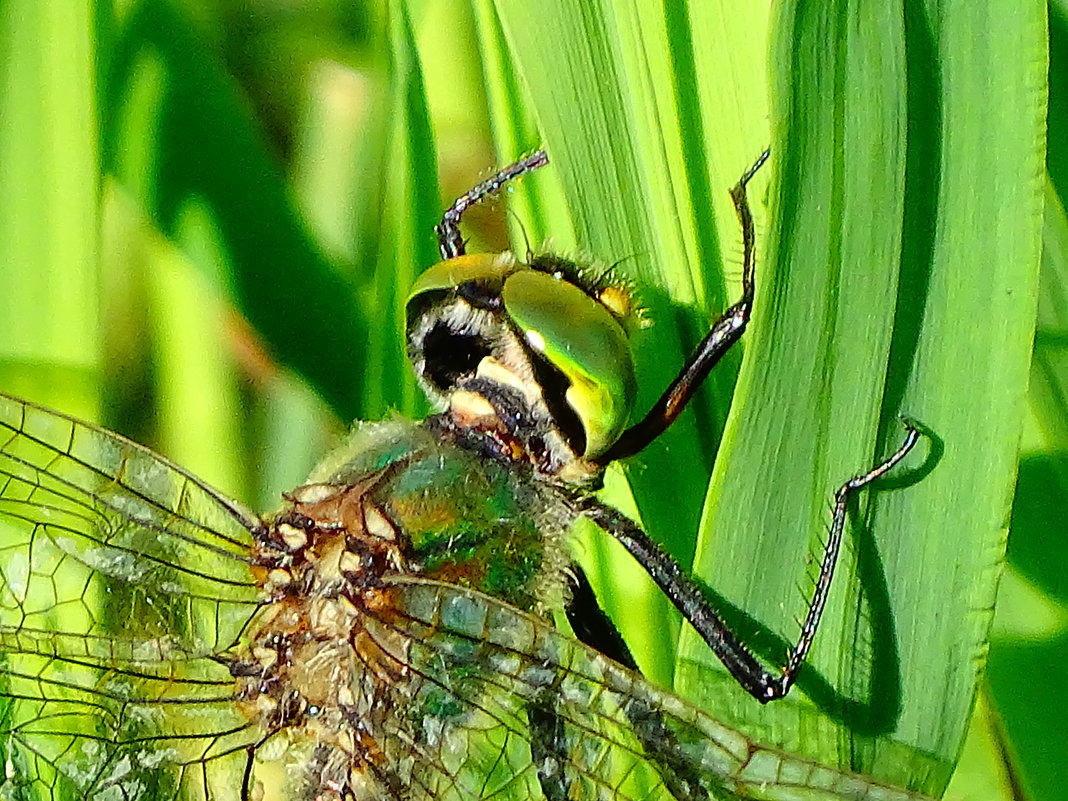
[538, 349]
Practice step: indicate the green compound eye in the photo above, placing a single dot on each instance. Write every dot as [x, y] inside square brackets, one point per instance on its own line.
[585, 343]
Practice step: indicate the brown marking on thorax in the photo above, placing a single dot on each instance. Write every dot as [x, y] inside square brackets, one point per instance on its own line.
[322, 652]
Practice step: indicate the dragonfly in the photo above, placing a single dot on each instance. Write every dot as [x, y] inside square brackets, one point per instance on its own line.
[388, 633]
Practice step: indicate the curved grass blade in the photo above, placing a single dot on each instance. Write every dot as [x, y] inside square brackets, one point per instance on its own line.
[861, 212]
[641, 119]
[902, 281]
[50, 179]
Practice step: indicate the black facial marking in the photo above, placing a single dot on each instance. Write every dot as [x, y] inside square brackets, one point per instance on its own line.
[450, 355]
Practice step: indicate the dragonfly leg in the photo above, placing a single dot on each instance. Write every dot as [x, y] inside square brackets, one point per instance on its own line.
[450, 241]
[724, 333]
[691, 602]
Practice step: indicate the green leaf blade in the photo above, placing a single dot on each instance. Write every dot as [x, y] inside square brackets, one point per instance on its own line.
[49, 232]
[874, 226]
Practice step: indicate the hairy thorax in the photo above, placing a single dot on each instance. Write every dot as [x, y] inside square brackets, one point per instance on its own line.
[327, 670]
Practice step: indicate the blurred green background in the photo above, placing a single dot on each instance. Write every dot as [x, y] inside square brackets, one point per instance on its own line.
[213, 210]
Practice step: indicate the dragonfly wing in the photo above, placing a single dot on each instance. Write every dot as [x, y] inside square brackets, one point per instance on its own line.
[117, 718]
[121, 578]
[508, 707]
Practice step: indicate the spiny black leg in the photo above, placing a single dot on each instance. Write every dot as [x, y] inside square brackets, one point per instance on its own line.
[450, 241]
[725, 332]
[830, 554]
[689, 600]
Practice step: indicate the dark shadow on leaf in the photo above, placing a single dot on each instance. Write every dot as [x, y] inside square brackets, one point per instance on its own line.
[1041, 497]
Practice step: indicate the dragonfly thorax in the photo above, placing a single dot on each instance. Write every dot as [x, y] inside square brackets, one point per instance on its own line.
[326, 669]
[319, 656]
[534, 353]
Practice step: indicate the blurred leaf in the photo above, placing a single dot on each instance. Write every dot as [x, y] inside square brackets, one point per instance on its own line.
[982, 772]
[193, 369]
[177, 133]
[399, 206]
[49, 330]
[1057, 157]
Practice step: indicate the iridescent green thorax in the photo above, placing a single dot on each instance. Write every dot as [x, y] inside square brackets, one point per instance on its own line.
[401, 502]
[460, 517]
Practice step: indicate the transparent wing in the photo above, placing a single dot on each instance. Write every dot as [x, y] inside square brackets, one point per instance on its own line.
[121, 578]
[507, 707]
